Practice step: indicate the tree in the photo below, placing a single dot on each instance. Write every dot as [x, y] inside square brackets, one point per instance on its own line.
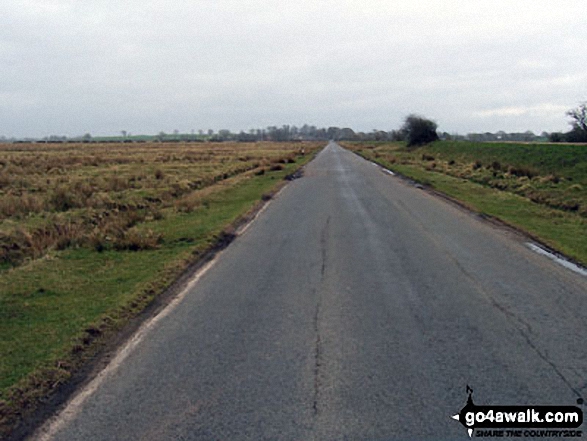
[419, 130]
[579, 123]
[397, 135]
[579, 116]
[556, 137]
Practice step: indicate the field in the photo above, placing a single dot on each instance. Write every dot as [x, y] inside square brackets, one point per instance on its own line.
[539, 188]
[91, 233]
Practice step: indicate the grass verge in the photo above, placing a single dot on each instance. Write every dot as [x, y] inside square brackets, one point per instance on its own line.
[534, 204]
[58, 311]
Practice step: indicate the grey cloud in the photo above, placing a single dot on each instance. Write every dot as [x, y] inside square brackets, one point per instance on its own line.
[71, 67]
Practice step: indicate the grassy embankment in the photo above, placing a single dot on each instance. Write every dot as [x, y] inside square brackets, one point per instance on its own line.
[90, 234]
[538, 188]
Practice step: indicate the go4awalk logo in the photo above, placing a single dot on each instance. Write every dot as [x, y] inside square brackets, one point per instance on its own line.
[520, 421]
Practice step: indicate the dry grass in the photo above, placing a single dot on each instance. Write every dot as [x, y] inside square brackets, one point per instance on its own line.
[56, 196]
[91, 234]
[539, 188]
[550, 175]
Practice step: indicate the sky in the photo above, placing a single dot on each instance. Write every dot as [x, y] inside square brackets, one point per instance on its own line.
[70, 67]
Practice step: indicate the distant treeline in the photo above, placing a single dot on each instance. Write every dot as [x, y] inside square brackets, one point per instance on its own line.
[498, 136]
[271, 133]
[305, 133]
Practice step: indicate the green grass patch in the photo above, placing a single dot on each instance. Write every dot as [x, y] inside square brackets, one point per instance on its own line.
[58, 309]
[549, 209]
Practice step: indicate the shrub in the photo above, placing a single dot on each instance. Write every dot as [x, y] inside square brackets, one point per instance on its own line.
[419, 130]
[12, 205]
[117, 183]
[495, 165]
[22, 244]
[188, 203]
[556, 137]
[180, 188]
[522, 171]
[157, 214]
[98, 240]
[4, 180]
[137, 240]
[576, 135]
[63, 199]
[10, 251]
[391, 159]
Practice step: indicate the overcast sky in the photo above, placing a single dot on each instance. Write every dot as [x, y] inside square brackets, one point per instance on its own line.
[68, 67]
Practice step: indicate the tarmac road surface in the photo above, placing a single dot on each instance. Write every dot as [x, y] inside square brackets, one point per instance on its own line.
[355, 307]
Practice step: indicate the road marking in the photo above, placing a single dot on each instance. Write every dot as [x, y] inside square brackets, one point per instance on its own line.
[48, 430]
[51, 427]
[559, 260]
[240, 231]
[383, 169]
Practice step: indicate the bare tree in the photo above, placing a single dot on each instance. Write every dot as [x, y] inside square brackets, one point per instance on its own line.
[579, 116]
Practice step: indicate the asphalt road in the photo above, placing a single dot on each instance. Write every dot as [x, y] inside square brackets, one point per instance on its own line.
[355, 307]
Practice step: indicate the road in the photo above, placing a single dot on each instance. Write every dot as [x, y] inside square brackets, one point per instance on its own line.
[355, 307]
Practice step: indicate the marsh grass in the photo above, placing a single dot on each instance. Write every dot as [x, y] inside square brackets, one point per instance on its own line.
[112, 226]
[71, 195]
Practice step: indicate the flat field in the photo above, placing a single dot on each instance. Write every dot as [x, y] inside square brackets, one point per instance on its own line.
[539, 188]
[91, 233]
